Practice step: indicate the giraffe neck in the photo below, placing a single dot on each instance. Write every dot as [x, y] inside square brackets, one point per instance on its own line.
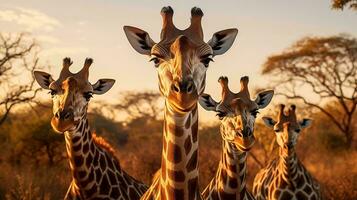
[95, 170]
[179, 165]
[80, 150]
[233, 162]
[88, 162]
[288, 164]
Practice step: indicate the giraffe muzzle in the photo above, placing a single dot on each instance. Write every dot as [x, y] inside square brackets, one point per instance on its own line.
[185, 86]
[289, 145]
[64, 115]
[183, 95]
[245, 143]
[63, 120]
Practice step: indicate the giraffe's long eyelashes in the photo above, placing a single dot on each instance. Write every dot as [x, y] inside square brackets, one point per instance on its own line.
[156, 59]
[254, 113]
[277, 130]
[88, 95]
[221, 114]
[52, 92]
[206, 59]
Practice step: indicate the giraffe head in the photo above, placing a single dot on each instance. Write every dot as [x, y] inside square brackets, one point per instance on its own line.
[287, 128]
[181, 56]
[237, 112]
[71, 94]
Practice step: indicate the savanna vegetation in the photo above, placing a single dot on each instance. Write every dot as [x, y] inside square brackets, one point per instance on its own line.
[33, 158]
[33, 161]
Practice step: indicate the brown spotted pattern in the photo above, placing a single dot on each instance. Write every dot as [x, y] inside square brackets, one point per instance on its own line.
[96, 173]
[178, 176]
[230, 179]
[95, 170]
[181, 58]
[286, 177]
[237, 113]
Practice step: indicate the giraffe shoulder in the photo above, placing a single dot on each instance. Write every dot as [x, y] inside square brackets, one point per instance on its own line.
[103, 144]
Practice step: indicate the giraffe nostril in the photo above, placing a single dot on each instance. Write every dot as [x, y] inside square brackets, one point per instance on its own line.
[175, 87]
[67, 115]
[57, 115]
[190, 88]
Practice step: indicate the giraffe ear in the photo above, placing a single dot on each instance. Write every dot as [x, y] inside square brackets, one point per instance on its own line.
[305, 123]
[43, 79]
[222, 40]
[139, 40]
[263, 99]
[269, 121]
[207, 102]
[102, 86]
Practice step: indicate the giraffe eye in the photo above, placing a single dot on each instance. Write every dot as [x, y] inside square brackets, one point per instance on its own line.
[221, 114]
[156, 60]
[254, 113]
[88, 95]
[52, 92]
[206, 61]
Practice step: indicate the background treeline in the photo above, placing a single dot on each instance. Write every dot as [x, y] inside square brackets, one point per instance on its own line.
[33, 158]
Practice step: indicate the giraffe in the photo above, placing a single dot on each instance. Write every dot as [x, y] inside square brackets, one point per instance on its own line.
[286, 177]
[96, 173]
[237, 113]
[181, 58]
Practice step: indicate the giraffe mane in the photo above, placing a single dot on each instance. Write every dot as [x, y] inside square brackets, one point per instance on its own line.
[101, 142]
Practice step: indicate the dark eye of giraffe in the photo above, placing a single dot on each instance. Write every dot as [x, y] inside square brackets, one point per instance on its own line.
[254, 113]
[156, 60]
[52, 92]
[206, 59]
[221, 114]
[88, 95]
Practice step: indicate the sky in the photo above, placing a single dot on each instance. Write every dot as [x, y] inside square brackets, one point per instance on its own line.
[94, 28]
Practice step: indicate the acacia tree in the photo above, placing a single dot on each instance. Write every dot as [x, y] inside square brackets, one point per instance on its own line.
[318, 70]
[143, 104]
[341, 4]
[18, 59]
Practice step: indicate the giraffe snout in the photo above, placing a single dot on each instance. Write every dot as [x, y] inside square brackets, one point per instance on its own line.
[64, 114]
[63, 120]
[184, 86]
[247, 132]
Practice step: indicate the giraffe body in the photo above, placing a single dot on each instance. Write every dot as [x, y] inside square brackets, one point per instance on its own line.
[237, 113]
[96, 173]
[286, 177]
[178, 176]
[181, 58]
[230, 179]
[294, 182]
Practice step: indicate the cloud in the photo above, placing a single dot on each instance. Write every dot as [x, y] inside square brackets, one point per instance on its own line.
[47, 39]
[82, 23]
[31, 19]
[64, 51]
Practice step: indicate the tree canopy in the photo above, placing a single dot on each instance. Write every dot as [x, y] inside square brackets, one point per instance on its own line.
[18, 59]
[341, 4]
[326, 66]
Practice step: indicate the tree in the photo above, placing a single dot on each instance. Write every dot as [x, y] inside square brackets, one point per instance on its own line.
[18, 59]
[317, 70]
[140, 105]
[341, 4]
